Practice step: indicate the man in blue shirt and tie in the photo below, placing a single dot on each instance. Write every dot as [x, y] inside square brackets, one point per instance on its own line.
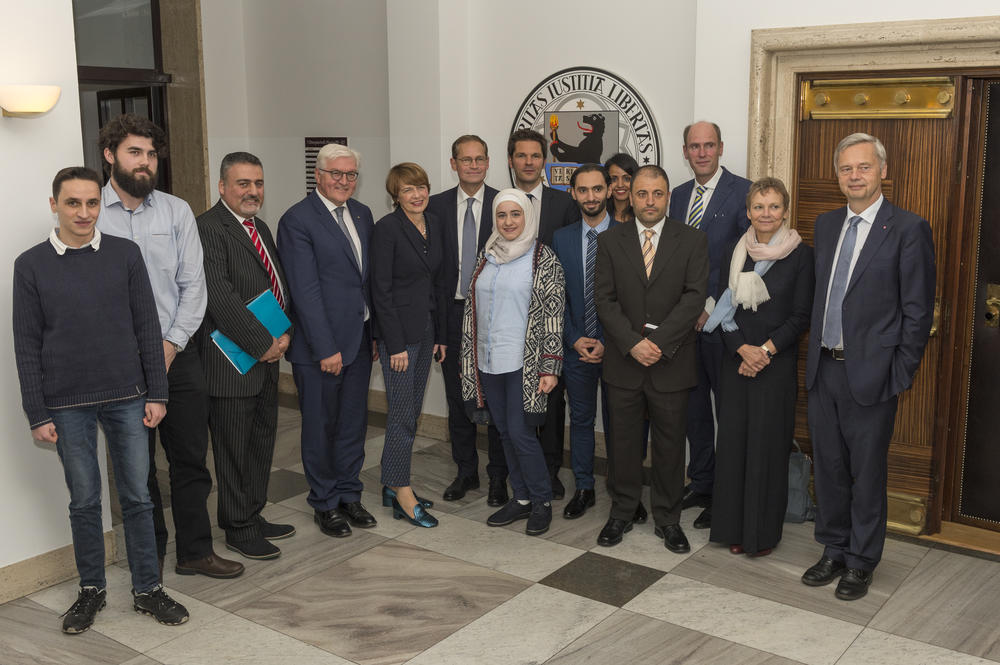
[576, 247]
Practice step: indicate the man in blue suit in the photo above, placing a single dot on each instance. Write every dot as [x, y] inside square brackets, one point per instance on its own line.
[467, 214]
[872, 314]
[323, 243]
[714, 202]
[576, 247]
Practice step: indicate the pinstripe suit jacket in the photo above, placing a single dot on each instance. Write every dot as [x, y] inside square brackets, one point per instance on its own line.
[235, 274]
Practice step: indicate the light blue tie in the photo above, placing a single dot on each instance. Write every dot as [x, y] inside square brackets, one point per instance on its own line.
[590, 310]
[469, 238]
[833, 329]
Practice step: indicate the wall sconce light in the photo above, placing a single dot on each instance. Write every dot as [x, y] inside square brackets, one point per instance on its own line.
[28, 101]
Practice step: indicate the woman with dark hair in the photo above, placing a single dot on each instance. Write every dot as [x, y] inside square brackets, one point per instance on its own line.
[512, 350]
[408, 294]
[621, 168]
[763, 311]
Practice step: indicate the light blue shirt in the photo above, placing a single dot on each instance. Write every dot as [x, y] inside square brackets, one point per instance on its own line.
[164, 228]
[503, 294]
[600, 228]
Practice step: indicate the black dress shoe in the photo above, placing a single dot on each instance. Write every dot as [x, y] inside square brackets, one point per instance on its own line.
[613, 531]
[254, 549]
[641, 515]
[460, 486]
[332, 523]
[704, 520]
[510, 513]
[273, 531]
[673, 538]
[539, 519]
[498, 495]
[690, 498]
[823, 572]
[577, 506]
[558, 490]
[357, 515]
[854, 584]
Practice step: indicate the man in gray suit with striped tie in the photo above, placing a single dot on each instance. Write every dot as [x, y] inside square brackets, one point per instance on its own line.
[241, 262]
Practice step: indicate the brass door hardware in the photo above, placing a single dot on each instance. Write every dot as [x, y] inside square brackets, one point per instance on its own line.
[992, 306]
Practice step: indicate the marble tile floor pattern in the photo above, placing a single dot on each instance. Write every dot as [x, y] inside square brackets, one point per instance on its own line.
[465, 594]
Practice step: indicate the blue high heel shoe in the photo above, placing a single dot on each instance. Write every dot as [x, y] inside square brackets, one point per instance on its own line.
[420, 516]
[388, 494]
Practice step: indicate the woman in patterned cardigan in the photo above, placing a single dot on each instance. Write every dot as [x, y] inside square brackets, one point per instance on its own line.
[512, 350]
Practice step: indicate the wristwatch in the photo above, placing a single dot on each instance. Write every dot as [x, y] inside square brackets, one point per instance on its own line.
[766, 350]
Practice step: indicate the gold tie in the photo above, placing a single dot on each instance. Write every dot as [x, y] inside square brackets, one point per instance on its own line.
[647, 251]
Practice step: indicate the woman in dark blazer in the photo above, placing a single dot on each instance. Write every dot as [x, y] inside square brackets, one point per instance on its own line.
[763, 311]
[621, 168]
[408, 294]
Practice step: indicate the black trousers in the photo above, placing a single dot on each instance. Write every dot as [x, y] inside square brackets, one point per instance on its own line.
[243, 431]
[851, 448]
[667, 415]
[552, 435]
[701, 420]
[184, 437]
[462, 430]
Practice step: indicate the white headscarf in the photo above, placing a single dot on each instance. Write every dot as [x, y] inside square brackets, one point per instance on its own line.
[504, 250]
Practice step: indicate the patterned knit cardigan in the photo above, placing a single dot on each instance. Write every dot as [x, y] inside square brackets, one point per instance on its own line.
[543, 343]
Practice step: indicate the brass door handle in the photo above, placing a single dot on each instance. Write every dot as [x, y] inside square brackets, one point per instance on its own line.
[991, 309]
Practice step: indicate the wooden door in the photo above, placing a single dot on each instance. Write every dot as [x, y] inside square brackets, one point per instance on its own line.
[920, 178]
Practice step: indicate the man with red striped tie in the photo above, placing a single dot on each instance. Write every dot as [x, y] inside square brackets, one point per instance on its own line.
[241, 262]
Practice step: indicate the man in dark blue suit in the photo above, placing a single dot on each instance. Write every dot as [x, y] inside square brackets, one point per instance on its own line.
[576, 247]
[872, 314]
[467, 214]
[323, 242]
[714, 202]
[554, 209]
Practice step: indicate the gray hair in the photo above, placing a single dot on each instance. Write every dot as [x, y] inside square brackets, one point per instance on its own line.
[855, 139]
[332, 151]
[234, 158]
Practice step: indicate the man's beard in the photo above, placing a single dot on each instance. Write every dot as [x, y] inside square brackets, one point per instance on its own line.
[600, 210]
[133, 186]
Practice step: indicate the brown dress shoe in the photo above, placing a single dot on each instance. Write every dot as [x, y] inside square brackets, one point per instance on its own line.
[210, 566]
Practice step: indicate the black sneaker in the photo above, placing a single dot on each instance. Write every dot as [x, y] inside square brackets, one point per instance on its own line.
[160, 606]
[510, 513]
[80, 616]
[540, 518]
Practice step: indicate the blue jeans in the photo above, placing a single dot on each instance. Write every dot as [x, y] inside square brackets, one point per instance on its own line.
[582, 380]
[529, 474]
[128, 443]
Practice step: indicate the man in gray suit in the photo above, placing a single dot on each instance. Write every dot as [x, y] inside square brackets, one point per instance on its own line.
[241, 262]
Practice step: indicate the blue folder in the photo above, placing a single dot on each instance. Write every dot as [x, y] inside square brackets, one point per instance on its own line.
[267, 310]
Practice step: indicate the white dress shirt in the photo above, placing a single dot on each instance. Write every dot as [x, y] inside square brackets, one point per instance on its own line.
[706, 196]
[864, 226]
[240, 219]
[658, 231]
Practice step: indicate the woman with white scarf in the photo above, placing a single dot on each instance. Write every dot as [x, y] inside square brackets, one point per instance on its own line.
[512, 351]
[763, 311]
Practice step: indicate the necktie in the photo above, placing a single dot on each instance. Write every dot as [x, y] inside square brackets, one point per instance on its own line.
[589, 309]
[697, 209]
[469, 238]
[833, 329]
[255, 239]
[647, 251]
[338, 212]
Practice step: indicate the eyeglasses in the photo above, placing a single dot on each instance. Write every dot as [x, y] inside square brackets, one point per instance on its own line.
[337, 175]
[468, 161]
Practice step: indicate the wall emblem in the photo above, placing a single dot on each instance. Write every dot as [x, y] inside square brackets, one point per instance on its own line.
[587, 115]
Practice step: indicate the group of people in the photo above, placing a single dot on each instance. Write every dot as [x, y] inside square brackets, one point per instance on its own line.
[661, 305]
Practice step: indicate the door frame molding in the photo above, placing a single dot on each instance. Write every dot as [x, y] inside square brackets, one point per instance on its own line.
[778, 57]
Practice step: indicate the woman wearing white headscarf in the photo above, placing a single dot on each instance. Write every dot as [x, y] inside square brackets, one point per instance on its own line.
[763, 311]
[512, 351]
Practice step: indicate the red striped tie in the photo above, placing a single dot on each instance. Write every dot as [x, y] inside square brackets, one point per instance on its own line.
[255, 239]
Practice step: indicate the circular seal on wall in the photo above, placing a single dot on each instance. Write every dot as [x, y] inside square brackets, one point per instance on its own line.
[587, 115]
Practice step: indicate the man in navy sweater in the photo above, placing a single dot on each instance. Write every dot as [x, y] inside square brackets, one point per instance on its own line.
[88, 349]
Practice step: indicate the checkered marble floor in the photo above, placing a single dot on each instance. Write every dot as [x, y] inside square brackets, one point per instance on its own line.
[465, 593]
